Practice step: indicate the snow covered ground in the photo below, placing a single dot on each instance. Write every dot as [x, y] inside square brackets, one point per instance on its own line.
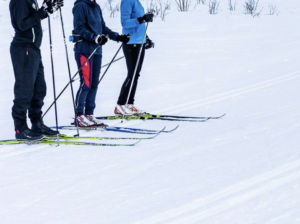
[244, 168]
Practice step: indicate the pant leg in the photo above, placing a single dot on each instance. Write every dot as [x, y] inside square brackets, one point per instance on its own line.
[85, 82]
[90, 103]
[25, 66]
[131, 53]
[40, 89]
[138, 73]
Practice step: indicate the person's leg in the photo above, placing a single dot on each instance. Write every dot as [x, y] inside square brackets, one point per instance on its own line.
[91, 96]
[139, 68]
[128, 53]
[131, 55]
[25, 68]
[37, 102]
[40, 89]
[85, 82]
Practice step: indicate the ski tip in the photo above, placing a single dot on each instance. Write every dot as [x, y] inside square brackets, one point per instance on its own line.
[171, 130]
[136, 143]
[158, 133]
[217, 117]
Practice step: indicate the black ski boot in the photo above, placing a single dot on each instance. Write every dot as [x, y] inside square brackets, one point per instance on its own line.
[28, 134]
[40, 128]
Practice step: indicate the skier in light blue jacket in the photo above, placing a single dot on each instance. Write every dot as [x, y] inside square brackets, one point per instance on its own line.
[133, 19]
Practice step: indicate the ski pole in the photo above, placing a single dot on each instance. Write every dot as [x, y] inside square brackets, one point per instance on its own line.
[103, 66]
[54, 102]
[66, 48]
[136, 67]
[110, 63]
[53, 77]
[118, 59]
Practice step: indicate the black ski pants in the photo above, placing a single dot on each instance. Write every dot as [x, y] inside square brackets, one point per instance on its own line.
[30, 85]
[131, 53]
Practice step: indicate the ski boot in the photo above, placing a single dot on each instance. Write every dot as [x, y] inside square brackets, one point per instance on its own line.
[40, 128]
[96, 121]
[136, 110]
[122, 110]
[83, 121]
[28, 134]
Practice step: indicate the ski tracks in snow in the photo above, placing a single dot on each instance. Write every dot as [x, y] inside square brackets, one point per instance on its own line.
[228, 198]
[231, 94]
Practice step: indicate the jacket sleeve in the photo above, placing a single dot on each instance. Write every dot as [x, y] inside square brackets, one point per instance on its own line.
[126, 10]
[112, 35]
[79, 13]
[23, 18]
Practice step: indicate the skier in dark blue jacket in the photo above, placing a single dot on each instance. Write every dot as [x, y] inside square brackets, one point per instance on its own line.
[30, 86]
[90, 25]
[133, 19]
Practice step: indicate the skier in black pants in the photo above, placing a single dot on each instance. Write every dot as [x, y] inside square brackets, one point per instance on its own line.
[133, 19]
[30, 86]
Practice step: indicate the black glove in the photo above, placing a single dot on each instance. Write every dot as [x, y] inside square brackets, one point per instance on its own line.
[100, 39]
[148, 17]
[57, 4]
[149, 43]
[43, 14]
[123, 38]
[47, 5]
[44, 10]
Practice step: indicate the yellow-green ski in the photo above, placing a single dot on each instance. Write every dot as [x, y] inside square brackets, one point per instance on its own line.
[46, 141]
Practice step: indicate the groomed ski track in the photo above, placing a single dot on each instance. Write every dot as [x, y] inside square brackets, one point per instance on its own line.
[241, 169]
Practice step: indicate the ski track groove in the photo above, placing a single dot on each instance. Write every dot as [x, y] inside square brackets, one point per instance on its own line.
[230, 94]
[228, 198]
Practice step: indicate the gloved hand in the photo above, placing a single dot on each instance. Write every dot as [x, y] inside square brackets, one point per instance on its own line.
[148, 17]
[100, 39]
[47, 5]
[123, 38]
[149, 43]
[45, 9]
[57, 4]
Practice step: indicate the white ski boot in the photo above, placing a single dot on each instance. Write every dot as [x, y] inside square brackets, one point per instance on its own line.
[122, 110]
[84, 122]
[93, 119]
[136, 110]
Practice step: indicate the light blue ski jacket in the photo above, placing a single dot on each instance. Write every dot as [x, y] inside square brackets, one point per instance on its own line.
[130, 11]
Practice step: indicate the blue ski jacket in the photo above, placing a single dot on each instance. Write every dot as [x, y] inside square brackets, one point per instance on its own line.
[88, 22]
[130, 11]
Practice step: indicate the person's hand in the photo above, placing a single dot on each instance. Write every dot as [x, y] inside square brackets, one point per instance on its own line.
[148, 17]
[100, 39]
[45, 9]
[47, 6]
[149, 43]
[123, 38]
[57, 4]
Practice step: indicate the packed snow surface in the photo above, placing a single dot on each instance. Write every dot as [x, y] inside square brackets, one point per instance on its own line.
[243, 168]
